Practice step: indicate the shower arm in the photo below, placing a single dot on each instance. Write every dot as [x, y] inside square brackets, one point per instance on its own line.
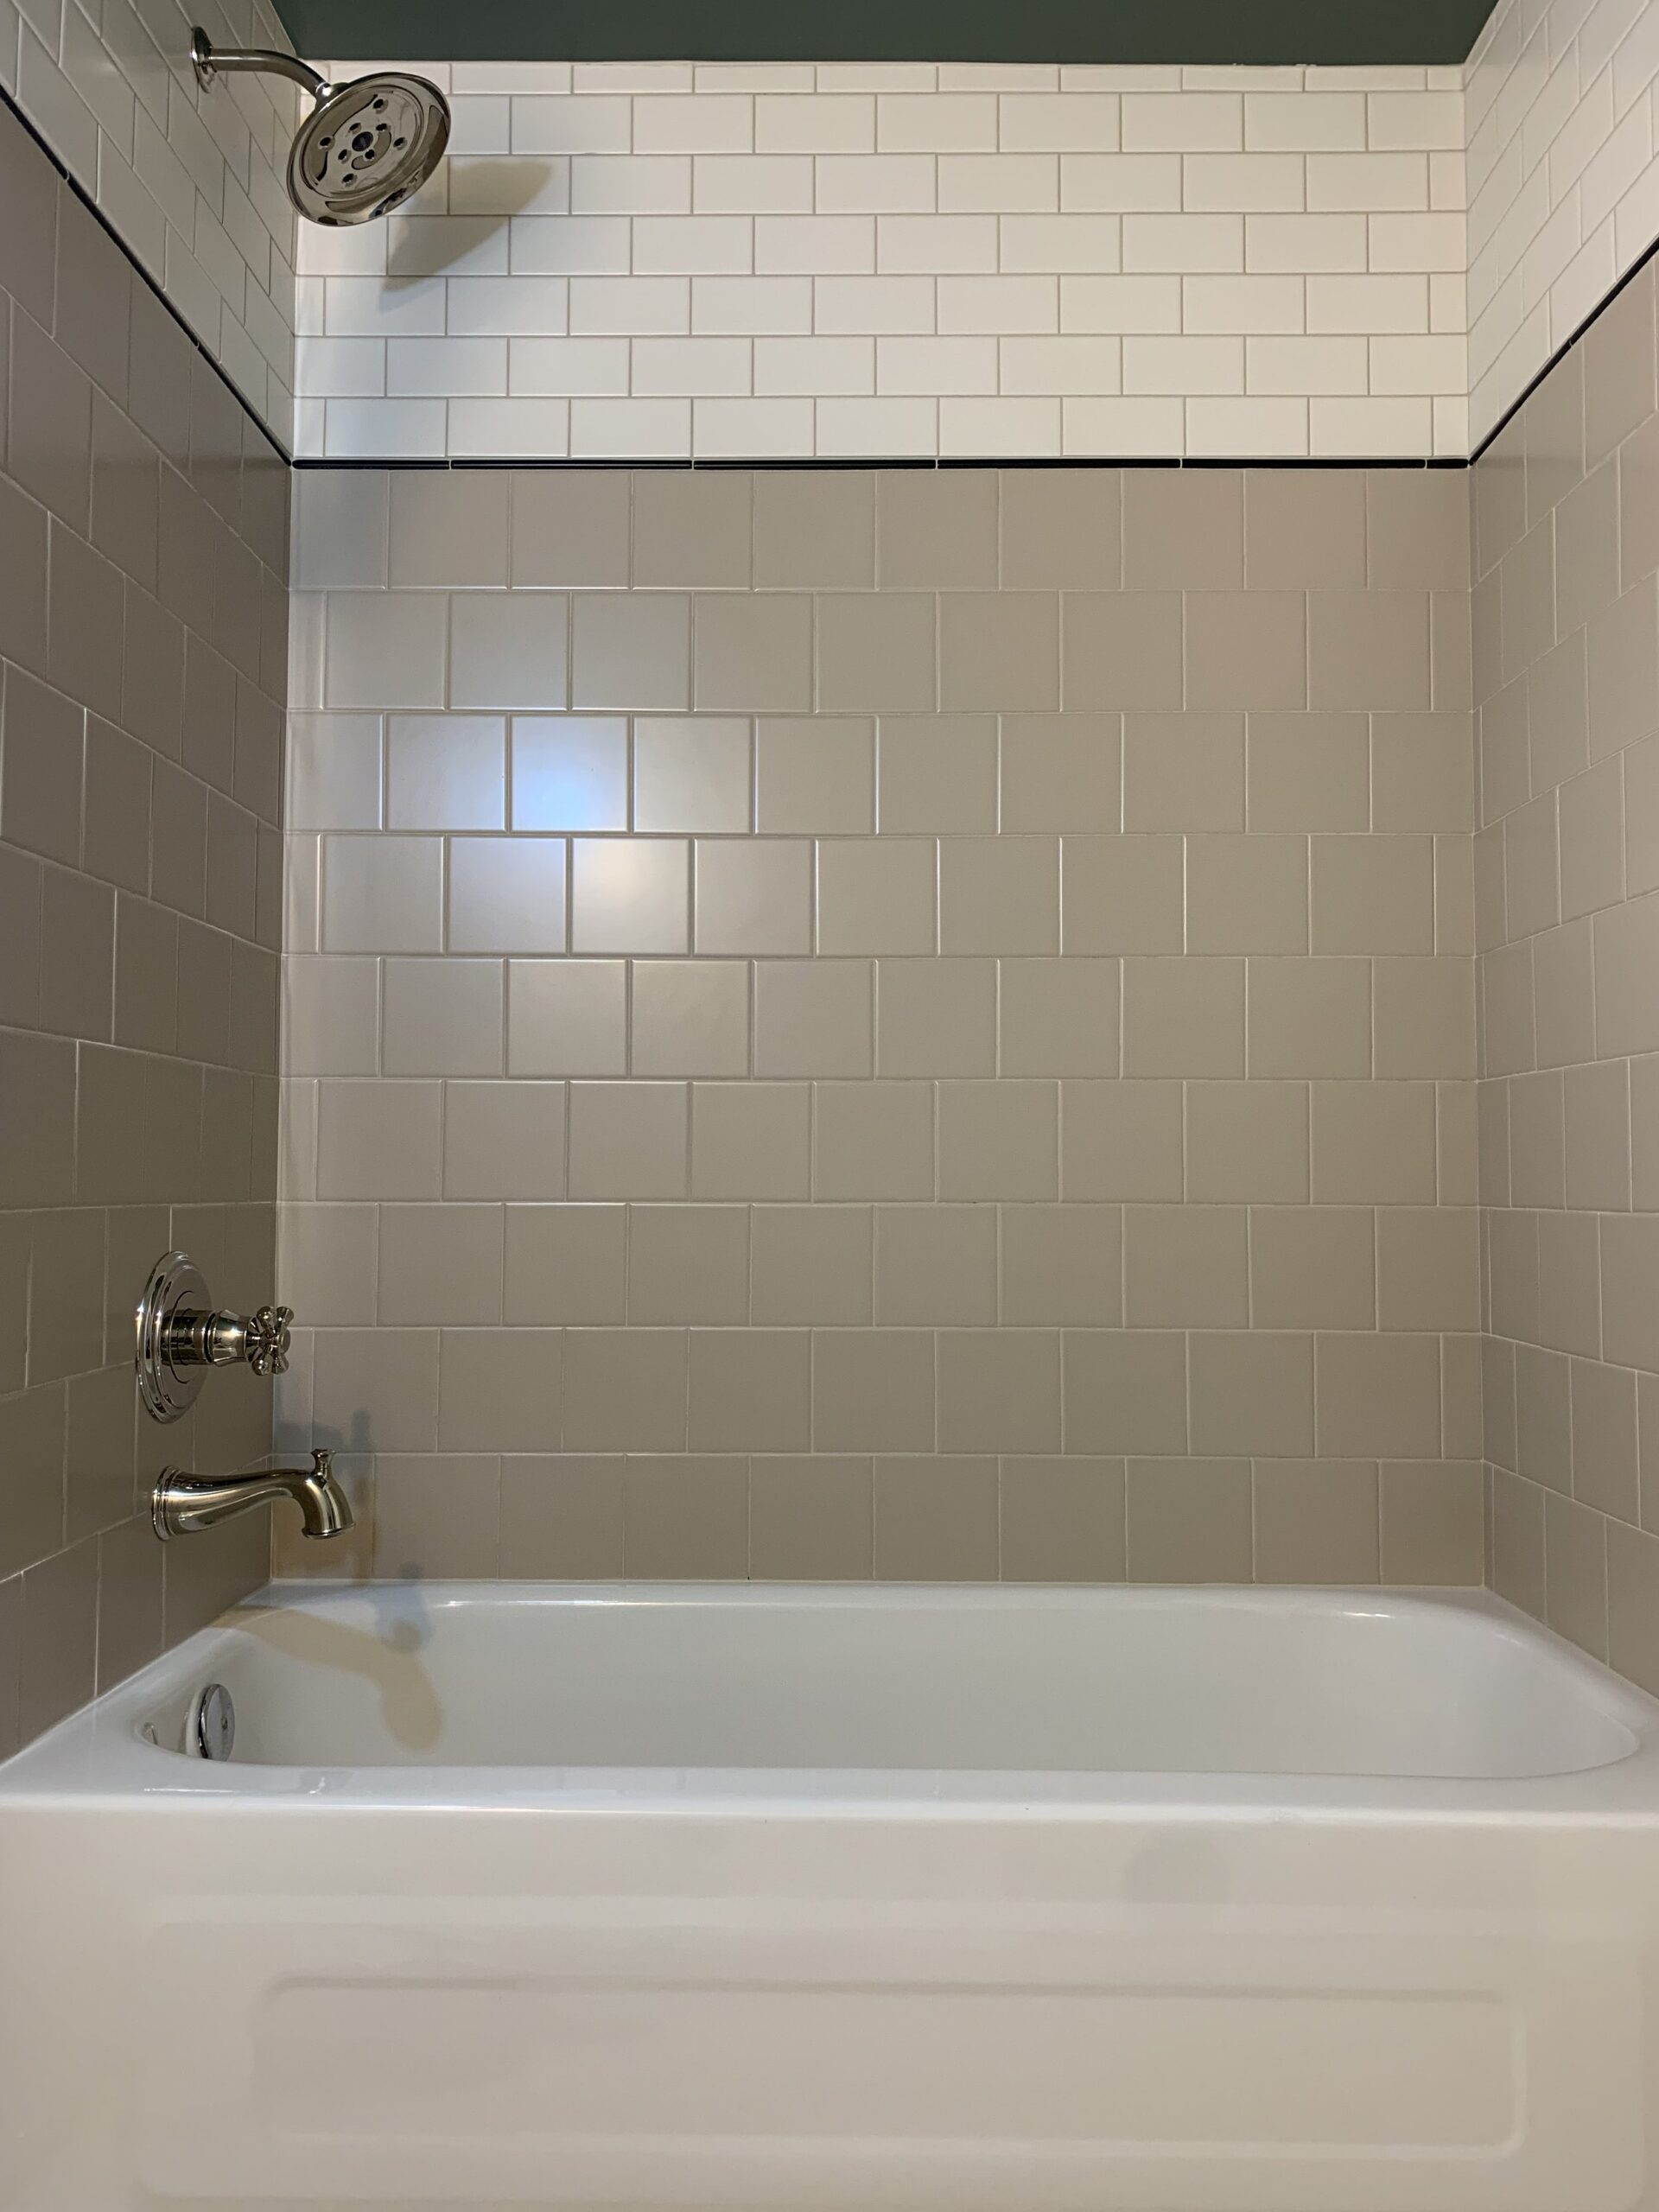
[209, 61]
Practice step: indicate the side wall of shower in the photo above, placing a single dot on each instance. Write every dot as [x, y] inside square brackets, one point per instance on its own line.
[143, 523]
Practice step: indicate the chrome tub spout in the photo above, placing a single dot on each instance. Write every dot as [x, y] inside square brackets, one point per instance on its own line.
[182, 1503]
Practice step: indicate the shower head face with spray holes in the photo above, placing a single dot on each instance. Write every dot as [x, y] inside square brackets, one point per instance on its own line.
[366, 147]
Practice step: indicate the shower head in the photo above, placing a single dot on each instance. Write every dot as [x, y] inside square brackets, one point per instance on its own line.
[366, 145]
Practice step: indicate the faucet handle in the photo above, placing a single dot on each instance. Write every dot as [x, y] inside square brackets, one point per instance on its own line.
[267, 1339]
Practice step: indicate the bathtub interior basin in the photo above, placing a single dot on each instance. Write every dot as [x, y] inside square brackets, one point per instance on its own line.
[1064, 1682]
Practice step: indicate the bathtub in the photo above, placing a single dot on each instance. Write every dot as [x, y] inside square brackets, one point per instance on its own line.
[1100, 1901]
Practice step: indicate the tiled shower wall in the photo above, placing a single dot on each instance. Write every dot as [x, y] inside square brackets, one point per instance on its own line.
[1567, 872]
[143, 621]
[918, 1023]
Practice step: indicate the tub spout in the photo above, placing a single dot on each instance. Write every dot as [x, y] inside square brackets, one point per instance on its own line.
[182, 1503]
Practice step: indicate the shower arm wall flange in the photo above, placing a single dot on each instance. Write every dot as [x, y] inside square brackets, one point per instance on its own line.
[209, 61]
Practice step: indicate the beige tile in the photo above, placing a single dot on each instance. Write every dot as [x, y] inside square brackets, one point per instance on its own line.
[1543, 1418]
[1618, 368]
[632, 650]
[690, 773]
[1368, 650]
[1253, 1391]
[999, 1390]
[937, 1017]
[499, 1389]
[1644, 1133]
[936, 530]
[561, 1517]
[440, 1264]
[876, 652]
[876, 895]
[1062, 1520]
[873, 1390]
[565, 1264]
[814, 529]
[935, 1265]
[1123, 894]
[381, 895]
[504, 1140]
[1380, 1392]
[751, 1141]
[569, 772]
[1596, 1135]
[813, 1018]
[59, 1638]
[1432, 1521]
[1304, 529]
[1557, 692]
[1307, 772]
[1061, 529]
[1185, 1267]
[567, 1017]
[384, 650]
[1621, 653]
[938, 774]
[686, 1520]
[1419, 529]
[750, 1390]
[1317, 1521]
[1062, 771]
[691, 1017]
[1120, 1141]
[691, 527]
[448, 527]
[873, 1140]
[1642, 817]
[377, 1388]
[1422, 768]
[1183, 529]
[810, 1520]
[1374, 1144]
[754, 895]
[379, 1140]
[1248, 1142]
[625, 1391]
[1246, 649]
[1518, 1543]
[815, 776]
[999, 1140]
[442, 1017]
[1312, 1267]
[1630, 1289]
[339, 523]
[1425, 1015]
[1122, 649]
[1626, 950]
[935, 1520]
[1060, 1265]
[508, 650]
[570, 527]
[1592, 839]
[999, 894]
[1310, 1017]
[629, 1141]
[810, 1264]
[1246, 894]
[1605, 1457]
[1184, 772]
[507, 894]
[688, 1263]
[1428, 1267]
[753, 653]
[999, 651]
[1189, 1520]
[1531, 872]
[1058, 1017]
[1575, 1575]
[1372, 894]
[630, 895]
[1184, 1017]
[1633, 1603]
[1124, 1391]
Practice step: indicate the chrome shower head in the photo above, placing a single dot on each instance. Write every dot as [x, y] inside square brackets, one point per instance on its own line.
[366, 146]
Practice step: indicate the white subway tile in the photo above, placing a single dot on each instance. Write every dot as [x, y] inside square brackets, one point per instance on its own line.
[693, 366]
[1305, 122]
[481, 125]
[1240, 429]
[510, 76]
[1359, 183]
[876, 184]
[498, 186]
[436, 367]
[1183, 122]
[693, 246]
[752, 184]
[998, 184]
[877, 76]
[814, 124]
[999, 303]
[1417, 242]
[371, 430]
[1002, 428]
[630, 429]
[565, 366]
[753, 76]
[1306, 242]
[1180, 365]
[1297, 366]
[1123, 429]
[999, 77]
[735, 305]
[1243, 303]
[1061, 367]
[936, 123]
[814, 365]
[1363, 304]
[1068, 122]
[630, 306]
[514, 428]
[1091, 244]
[769, 429]
[503, 307]
[446, 246]
[1121, 304]
[935, 367]
[935, 244]
[886, 429]
[1370, 430]
[1427, 366]
[707, 123]
[364, 307]
[1413, 119]
[815, 246]
[631, 184]
[580, 125]
[1119, 183]
[880, 305]
[1211, 181]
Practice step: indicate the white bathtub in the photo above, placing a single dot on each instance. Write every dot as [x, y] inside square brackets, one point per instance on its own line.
[1105, 1901]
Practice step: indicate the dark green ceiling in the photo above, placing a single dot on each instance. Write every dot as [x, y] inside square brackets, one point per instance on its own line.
[887, 30]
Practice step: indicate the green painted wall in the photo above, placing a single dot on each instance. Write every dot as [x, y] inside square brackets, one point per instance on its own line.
[887, 30]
